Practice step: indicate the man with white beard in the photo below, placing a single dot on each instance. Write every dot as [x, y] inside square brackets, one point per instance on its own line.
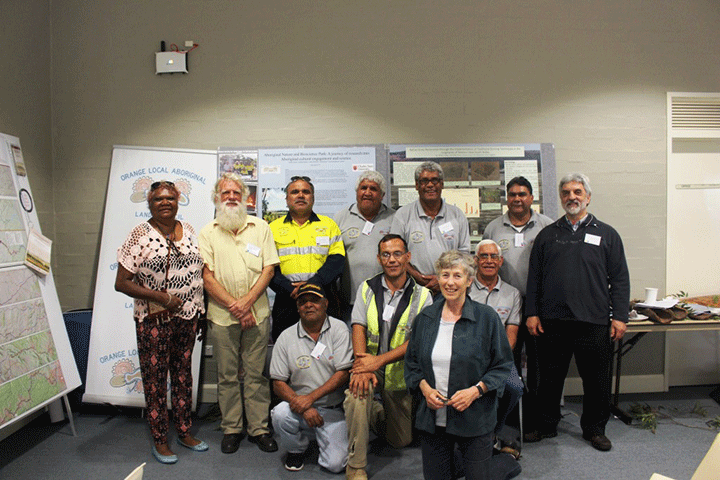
[578, 295]
[240, 257]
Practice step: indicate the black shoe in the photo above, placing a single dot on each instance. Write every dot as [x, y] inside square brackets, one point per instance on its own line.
[537, 435]
[294, 462]
[230, 442]
[265, 442]
[598, 441]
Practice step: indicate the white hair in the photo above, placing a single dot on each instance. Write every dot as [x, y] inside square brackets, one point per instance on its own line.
[488, 241]
[575, 177]
[372, 176]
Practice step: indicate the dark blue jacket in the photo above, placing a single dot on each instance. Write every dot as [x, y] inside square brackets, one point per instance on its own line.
[580, 275]
[480, 351]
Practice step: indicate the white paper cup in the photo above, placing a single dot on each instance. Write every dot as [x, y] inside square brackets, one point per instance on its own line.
[651, 295]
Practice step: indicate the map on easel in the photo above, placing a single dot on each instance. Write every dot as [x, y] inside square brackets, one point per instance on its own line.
[36, 361]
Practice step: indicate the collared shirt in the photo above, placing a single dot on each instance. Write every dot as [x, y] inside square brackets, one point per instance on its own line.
[390, 298]
[577, 224]
[504, 298]
[428, 238]
[360, 238]
[237, 260]
[480, 352]
[305, 365]
[303, 248]
[516, 246]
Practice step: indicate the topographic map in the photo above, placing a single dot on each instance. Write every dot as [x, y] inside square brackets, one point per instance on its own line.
[12, 230]
[30, 371]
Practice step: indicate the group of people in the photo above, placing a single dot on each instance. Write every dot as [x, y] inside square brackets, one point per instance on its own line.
[432, 328]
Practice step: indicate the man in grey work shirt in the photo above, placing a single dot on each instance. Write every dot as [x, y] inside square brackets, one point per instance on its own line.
[309, 368]
[488, 288]
[515, 232]
[382, 319]
[362, 224]
[430, 226]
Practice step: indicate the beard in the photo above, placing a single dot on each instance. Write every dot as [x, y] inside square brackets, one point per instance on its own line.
[573, 207]
[231, 217]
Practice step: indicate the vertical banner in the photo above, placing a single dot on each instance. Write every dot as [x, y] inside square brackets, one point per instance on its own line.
[113, 374]
[36, 361]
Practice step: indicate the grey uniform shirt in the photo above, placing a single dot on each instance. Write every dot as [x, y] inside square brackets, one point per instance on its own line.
[504, 298]
[360, 246]
[428, 238]
[516, 255]
[293, 361]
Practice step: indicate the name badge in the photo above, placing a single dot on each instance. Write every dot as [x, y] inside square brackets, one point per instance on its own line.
[368, 228]
[445, 227]
[592, 239]
[519, 240]
[388, 313]
[317, 351]
[323, 241]
[253, 249]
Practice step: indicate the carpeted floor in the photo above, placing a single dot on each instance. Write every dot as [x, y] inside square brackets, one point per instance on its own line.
[112, 442]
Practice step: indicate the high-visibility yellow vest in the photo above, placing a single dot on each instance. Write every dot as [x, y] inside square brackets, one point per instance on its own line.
[410, 305]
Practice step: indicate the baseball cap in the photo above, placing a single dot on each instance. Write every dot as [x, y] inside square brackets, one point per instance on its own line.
[313, 289]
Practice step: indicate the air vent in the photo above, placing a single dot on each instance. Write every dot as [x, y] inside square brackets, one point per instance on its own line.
[695, 116]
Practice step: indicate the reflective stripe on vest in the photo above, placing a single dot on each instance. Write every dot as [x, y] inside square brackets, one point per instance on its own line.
[394, 372]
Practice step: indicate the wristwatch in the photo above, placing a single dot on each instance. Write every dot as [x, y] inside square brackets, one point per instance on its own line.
[479, 389]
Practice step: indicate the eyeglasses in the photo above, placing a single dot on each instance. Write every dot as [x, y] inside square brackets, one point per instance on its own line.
[396, 255]
[156, 185]
[425, 181]
[303, 178]
[485, 256]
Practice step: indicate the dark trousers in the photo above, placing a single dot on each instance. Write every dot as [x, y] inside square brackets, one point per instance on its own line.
[592, 347]
[438, 455]
[284, 314]
[162, 348]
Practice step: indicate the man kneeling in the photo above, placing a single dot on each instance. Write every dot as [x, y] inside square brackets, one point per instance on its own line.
[382, 318]
[309, 369]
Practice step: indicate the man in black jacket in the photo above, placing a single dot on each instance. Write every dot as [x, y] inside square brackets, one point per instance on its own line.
[578, 295]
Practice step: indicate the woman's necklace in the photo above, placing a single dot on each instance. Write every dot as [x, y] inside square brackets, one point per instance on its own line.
[168, 235]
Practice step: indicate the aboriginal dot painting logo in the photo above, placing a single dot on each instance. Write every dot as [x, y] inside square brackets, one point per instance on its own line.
[504, 244]
[303, 361]
[126, 375]
[141, 187]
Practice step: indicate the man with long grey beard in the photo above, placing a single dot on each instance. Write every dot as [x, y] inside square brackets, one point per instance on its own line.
[240, 257]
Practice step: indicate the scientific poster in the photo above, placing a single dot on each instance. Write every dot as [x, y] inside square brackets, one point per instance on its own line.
[475, 176]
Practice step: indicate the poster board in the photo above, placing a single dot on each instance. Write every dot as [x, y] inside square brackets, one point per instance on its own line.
[113, 374]
[36, 360]
[476, 175]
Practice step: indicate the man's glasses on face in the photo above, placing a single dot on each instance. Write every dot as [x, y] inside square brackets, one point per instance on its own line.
[485, 256]
[397, 255]
[433, 180]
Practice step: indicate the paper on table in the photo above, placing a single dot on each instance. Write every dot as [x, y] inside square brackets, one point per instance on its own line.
[664, 303]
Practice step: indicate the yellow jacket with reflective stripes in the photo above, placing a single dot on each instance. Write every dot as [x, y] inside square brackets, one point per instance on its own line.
[410, 305]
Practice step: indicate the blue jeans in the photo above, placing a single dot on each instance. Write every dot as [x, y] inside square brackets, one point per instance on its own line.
[438, 455]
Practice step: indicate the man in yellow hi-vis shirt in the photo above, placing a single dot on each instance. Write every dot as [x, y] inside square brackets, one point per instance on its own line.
[310, 249]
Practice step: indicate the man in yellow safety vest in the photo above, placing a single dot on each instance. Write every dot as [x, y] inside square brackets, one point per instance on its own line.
[385, 307]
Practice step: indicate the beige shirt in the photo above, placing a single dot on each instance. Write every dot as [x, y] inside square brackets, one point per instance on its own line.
[237, 260]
